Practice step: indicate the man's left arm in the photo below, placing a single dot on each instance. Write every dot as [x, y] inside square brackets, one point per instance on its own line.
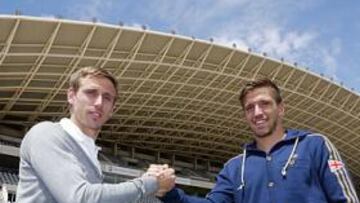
[333, 174]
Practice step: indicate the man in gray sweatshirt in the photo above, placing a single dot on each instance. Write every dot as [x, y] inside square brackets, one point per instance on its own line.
[58, 160]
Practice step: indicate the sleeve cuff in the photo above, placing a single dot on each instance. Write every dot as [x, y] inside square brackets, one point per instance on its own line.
[148, 185]
[173, 195]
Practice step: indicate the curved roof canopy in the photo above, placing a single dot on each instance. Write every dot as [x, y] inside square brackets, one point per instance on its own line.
[178, 95]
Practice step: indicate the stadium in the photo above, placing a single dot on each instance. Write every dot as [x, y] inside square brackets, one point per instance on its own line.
[178, 97]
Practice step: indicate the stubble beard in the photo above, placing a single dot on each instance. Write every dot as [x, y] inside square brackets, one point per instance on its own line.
[269, 132]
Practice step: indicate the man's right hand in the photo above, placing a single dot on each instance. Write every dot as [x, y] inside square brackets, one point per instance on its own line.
[165, 176]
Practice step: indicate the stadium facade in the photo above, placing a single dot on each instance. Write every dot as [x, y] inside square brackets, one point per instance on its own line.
[178, 96]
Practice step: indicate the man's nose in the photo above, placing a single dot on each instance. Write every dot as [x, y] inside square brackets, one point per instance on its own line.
[99, 100]
[258, 110]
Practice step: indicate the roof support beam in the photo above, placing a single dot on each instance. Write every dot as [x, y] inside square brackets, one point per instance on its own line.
[6, 48]
[109, 50]
[64, 78]
[34, 69]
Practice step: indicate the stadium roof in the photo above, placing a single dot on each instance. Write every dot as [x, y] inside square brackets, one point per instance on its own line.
[179, 95]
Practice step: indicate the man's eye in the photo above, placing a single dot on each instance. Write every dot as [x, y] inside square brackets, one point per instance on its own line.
[249, 108]
[91, 92]
[108, 98]
[264, 103]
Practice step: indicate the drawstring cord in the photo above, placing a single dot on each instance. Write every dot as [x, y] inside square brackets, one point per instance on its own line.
[242, 185]
[284, 169]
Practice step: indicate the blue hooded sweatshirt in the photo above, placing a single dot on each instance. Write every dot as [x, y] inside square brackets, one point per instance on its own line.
[302, 168]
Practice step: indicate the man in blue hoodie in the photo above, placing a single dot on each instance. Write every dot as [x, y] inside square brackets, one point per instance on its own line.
[281, 165]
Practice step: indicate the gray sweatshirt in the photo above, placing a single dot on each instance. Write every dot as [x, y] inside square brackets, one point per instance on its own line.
[54, 168]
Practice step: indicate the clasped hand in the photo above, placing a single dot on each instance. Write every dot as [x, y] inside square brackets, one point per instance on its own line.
[165, 177]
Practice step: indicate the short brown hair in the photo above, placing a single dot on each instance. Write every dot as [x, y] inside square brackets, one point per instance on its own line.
[91, 71]
[264, 82]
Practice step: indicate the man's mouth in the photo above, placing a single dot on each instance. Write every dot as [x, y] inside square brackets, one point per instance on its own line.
[260, 123]
[96, 114]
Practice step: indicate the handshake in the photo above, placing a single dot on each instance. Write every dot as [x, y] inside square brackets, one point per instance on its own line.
[165, 177]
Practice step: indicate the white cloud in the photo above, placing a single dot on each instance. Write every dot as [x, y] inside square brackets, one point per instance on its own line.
[281, 44]
[264, 27]
[223, 40]
[270, 38]
[329, 58]
[89, 9]
[138, 26]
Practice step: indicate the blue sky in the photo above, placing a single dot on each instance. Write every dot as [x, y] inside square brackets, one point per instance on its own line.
[321, 35]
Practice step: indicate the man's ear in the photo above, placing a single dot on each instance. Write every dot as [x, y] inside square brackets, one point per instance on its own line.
[112, 111]
[71, 96]
[281, 109]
